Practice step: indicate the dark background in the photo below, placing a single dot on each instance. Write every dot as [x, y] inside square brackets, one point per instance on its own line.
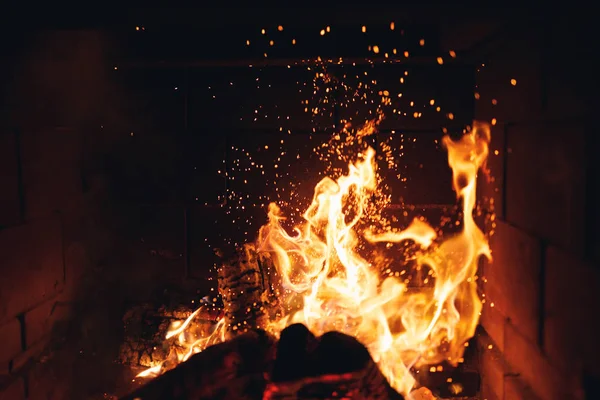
[117, 127]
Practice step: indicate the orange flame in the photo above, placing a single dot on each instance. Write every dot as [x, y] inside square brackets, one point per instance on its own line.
[187, 338]
[328, 285]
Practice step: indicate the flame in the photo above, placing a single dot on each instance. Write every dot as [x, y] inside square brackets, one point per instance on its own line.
[327, 283]
[186, 338]
[340, 289]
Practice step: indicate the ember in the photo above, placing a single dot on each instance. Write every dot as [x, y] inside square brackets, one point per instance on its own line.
[323, 277]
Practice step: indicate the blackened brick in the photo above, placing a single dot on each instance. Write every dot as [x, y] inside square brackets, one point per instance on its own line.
[10, 337]
[545, 181]
[77, 262]
[513, 278]
[526, 360]
[492, 372]
[570, 329]
[41, 320]
[48, 381]
[492, 319]
[516, 389]
[32, 265]
[15, 390]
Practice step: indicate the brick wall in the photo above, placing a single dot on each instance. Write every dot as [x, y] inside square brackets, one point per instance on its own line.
[50, 228]
[540, 290]
[42, 188]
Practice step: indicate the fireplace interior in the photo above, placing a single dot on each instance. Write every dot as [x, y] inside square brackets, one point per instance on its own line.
[140, 150]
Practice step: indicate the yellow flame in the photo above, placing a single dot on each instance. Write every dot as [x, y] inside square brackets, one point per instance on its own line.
[340, 289]
[186, 339]
[327, 284]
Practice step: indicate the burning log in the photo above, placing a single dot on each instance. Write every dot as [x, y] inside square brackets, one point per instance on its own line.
[244, 287]
[145, 330]
[302, 366]
[333, 366]
[230, 370]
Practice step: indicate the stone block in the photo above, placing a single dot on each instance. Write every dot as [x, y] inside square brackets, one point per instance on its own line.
[40, 321]
[52, 176]
[545, 181]
[492, 372]
[32, 267]
[30, 355]
[492, 319]
[61, 81]
[10, 337]
[526, 360]
[570, 329]
[50, 189]
[516, 389]
[513, 278]
[77, 262]
[48, 381]
[15, 390]
[10, 203]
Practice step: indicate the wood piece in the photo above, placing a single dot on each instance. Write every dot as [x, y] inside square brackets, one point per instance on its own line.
[242, 286]
[333, 366]
[145, 329]
[294, 354]
[229, 370]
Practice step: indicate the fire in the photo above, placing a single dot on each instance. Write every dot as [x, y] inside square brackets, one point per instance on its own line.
[186, 338]
[342, 290]
[329, 282]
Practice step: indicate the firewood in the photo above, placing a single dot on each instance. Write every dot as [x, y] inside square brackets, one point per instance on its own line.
[145, 329]
[333, 366]
[230, 370]
[294, 354]
[242, 286]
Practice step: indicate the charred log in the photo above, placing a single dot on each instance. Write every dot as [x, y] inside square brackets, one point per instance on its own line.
[334, 366]
[245, 290]
[145, 328]
[230, 370]
[294, 354]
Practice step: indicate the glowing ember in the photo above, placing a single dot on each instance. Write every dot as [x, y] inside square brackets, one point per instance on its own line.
[329, 281]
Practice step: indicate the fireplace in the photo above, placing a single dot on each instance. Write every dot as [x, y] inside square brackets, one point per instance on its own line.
[128, 191]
